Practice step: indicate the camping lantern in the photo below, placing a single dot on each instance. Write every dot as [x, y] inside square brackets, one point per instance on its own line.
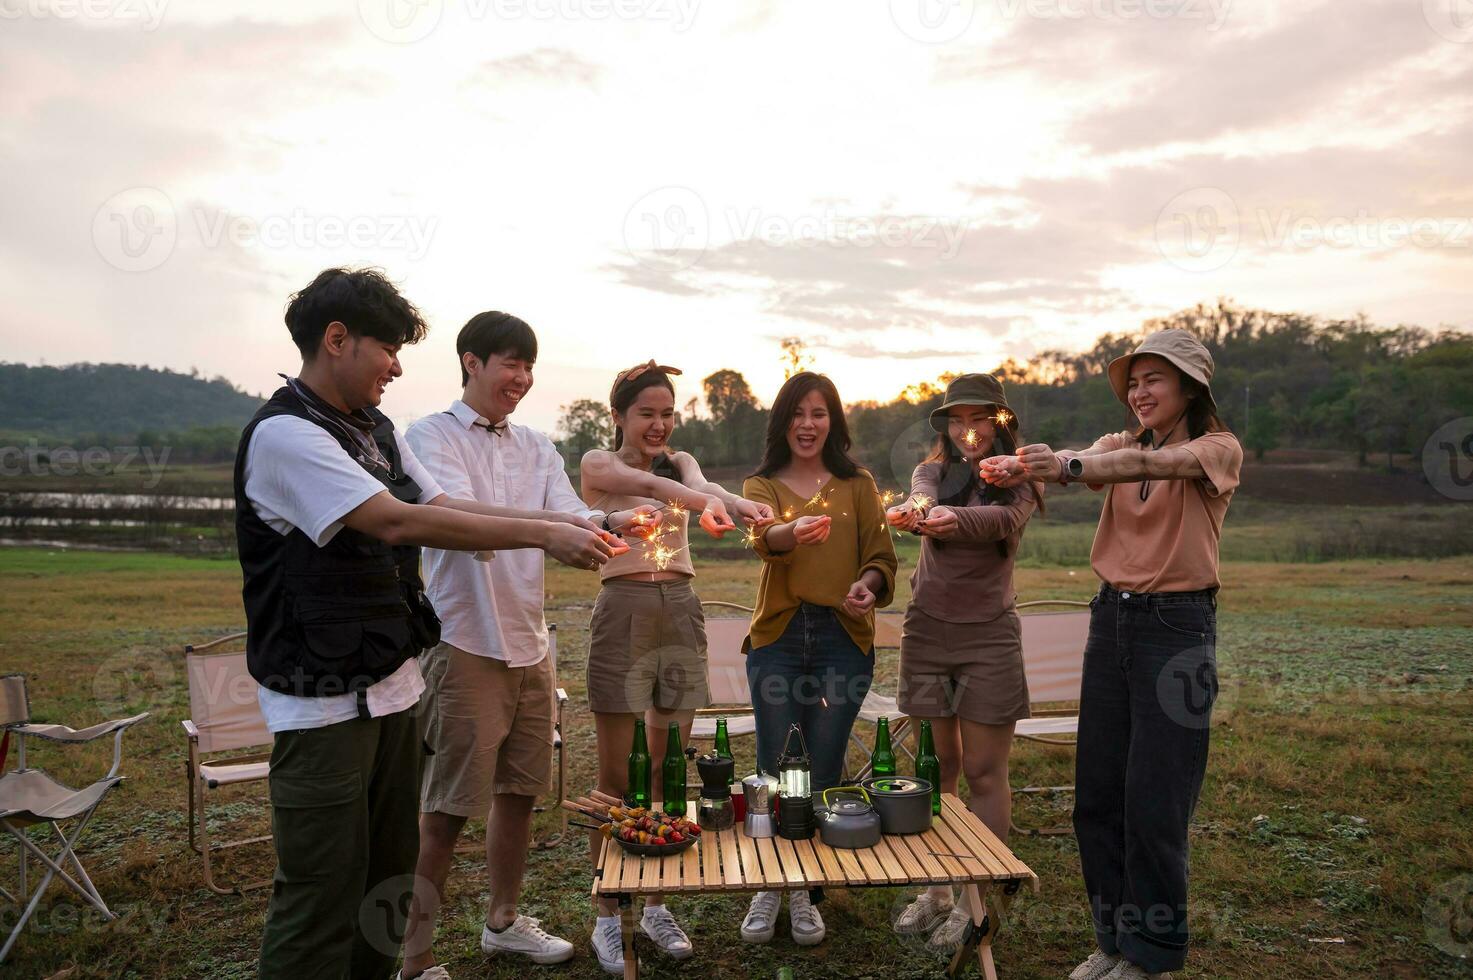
[795, 789]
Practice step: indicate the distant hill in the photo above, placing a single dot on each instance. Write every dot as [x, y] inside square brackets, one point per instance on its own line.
[118, 400]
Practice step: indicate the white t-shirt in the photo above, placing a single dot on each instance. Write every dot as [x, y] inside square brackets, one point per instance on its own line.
[492, 608]
[298, 476]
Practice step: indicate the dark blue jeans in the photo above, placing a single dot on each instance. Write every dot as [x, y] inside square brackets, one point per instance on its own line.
[1150, 678]
[814, 676]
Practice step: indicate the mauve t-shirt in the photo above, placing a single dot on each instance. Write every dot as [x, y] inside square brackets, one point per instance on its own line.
[1169, 541]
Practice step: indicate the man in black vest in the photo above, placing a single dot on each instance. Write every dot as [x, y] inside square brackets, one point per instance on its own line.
[329, 526]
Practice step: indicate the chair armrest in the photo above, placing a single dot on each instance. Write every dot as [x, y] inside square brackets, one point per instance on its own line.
[562, 696]
[61, 733]
[190, 728]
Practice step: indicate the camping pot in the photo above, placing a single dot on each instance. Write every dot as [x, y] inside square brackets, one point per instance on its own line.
[904, 804]
[848, 822]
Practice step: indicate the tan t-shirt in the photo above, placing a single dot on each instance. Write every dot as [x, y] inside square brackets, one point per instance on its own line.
[1169, 541]
[640, 557]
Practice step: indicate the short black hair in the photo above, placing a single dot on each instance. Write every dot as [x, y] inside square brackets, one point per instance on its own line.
[363, 300]
[494, 332]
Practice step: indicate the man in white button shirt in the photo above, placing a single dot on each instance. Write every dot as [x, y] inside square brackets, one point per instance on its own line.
[491, 685]
[328, 525]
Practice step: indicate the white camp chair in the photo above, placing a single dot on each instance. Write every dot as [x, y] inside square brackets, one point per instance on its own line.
[558, 747]
[877, 705]
[1053, 660]
[726, 675]
[225, 718]
[31, 796]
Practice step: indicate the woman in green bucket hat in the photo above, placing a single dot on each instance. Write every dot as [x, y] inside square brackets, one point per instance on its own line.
[961, 652]
[1150, 665]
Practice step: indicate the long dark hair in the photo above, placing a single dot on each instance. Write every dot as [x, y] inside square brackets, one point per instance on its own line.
[958, 479]
[1201, 419]
[778, 454]
[624, 394]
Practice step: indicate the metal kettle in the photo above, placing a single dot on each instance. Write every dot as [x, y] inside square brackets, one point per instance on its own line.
[848, 822]
[758, 792]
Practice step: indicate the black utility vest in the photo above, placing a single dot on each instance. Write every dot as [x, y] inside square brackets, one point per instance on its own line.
[336, 619]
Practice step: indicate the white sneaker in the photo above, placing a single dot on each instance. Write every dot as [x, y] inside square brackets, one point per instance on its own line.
[922, 915]
[761, 920]
[1126, 970]
[526, 937]
[948, 936]
[1099, 965]
[430, 973]
[659, 925]
[807, 924]
[608, 946]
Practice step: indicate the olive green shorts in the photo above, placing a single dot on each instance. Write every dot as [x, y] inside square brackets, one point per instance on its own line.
[647, 648]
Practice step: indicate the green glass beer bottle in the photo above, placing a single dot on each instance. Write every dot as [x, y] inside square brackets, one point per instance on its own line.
[674, 781]
[723, 741]
[882, 760]
[928, 767]
[638, 793]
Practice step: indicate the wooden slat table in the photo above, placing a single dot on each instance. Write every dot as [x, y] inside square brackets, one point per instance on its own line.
[958, 848]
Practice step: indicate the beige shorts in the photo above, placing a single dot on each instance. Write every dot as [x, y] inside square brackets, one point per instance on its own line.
[647, 648]
[969, 670]
[489, 727]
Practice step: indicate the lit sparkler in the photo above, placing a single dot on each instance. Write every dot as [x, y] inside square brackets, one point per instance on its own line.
[1003, 417]
[970, 438]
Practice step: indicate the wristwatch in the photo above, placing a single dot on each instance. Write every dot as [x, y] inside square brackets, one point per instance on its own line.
[606, 526]
[1070, 468]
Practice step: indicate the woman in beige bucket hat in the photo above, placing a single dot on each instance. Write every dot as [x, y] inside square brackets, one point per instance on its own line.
[1150, 665]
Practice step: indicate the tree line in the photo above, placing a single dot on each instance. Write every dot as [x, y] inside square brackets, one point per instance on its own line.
[1282, 380]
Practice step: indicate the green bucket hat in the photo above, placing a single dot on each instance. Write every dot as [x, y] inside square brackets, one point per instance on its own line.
[973, 389]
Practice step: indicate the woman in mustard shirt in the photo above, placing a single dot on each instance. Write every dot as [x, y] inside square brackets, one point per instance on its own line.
[827, 563]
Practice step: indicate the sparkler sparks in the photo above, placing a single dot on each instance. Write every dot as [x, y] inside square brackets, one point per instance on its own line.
[1003, 417]
[970, 438]
[920, 502]
[888, 497]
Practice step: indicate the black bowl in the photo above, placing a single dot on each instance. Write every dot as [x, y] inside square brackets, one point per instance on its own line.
[654, 850]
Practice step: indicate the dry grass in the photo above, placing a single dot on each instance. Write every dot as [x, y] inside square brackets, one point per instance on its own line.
[1348, 699]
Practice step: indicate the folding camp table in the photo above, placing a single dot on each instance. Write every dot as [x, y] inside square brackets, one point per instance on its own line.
[958, 848]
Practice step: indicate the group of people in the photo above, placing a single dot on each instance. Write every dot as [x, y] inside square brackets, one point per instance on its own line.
[394, 597]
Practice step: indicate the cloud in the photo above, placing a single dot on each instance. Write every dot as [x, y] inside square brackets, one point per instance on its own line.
[542, 66]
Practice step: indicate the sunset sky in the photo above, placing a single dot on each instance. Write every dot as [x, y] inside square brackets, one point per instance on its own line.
[912, 186]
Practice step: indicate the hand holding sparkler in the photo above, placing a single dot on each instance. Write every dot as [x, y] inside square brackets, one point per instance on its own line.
[715, 521]
[903, 516]
[1002, 471]
[753, 513]
[1040, 463]
[812, 528]
[940, 523]
[640, 521]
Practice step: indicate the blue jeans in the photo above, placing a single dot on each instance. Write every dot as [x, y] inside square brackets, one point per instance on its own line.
[816, 677]
[1150, 678]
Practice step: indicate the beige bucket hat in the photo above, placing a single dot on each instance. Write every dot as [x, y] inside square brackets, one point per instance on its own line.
[1177, 346]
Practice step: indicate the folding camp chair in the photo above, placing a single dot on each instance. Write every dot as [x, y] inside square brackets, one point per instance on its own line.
[877, 705]
[31, 796]
[558, 747]
[225, 718]
[1053, 660]
[726, 675]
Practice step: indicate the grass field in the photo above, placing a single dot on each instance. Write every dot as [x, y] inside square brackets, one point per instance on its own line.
[1336, 801]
